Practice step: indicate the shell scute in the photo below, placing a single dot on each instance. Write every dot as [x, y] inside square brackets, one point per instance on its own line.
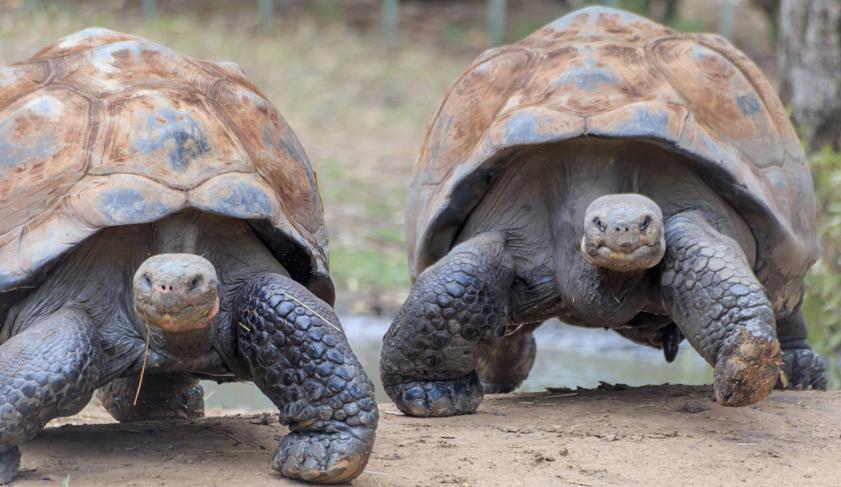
[170, 137]
[645, 120]
[241, 195]
[267, 137]
[82, 40]
[483, 92]
[594, 24]
[42, 152]
[20, 79]
[721, 98]
[122, 199]
[127, 65]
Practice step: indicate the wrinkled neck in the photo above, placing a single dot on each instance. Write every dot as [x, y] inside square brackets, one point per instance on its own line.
[179, 234]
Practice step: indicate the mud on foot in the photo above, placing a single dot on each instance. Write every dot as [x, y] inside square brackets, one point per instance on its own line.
[746, 371]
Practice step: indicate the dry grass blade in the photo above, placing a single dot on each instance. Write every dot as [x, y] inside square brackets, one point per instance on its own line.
[143, 369]
[512, 330]
[331, 325]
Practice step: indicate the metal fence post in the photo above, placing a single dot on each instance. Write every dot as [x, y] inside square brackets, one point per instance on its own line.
[150, 9]
[725, 19]
[390, 20]
[496, 21]
[265, 10]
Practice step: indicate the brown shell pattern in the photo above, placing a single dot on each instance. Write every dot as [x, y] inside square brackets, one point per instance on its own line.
[104, 128]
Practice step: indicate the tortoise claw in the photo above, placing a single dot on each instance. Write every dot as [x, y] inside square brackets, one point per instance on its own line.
[671, 342]
[324, 458]
[438, 398]
[802, 369]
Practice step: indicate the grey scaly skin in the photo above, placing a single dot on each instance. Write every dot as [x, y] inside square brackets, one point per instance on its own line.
[644, 247]
[435, 338]
[708, 288]
[293, 345]
[214, 304]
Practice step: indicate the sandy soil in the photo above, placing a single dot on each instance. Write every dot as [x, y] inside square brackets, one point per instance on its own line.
[655, 435]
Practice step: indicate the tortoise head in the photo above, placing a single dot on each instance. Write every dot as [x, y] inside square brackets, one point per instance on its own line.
[179, 295]
[623, 232]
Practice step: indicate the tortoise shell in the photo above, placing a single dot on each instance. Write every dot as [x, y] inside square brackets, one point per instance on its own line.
[103, 129]
[602, 72]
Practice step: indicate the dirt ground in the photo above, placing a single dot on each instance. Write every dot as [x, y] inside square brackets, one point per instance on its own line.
[653, 435]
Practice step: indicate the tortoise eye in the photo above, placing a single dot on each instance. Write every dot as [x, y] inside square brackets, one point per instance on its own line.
[645, 223]
[598, 223]
[194, 283]
[147, 279]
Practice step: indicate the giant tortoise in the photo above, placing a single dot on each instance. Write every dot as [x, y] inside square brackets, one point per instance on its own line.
[610, 172]
[159, 224]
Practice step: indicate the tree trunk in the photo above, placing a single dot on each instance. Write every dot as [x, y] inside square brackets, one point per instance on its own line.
[810, 68]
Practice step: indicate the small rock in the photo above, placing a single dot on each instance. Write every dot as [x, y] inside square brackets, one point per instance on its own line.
[541, 457]
[693, 406]
[605, 386]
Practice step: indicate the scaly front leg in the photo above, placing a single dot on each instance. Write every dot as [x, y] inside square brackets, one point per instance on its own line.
[299, 357]
[711, 293]
[47, 371]
[429, 357]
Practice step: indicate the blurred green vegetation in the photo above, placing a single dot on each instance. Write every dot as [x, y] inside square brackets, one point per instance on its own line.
[822, 304]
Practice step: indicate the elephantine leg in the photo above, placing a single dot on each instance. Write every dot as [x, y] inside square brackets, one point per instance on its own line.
[47, 371]
[711, 293]
[504, 366]
[430, 352]
[295, 348]
[802, 367]
[161, 397]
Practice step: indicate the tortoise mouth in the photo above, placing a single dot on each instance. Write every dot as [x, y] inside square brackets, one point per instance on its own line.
[624, 260]
[175, 318]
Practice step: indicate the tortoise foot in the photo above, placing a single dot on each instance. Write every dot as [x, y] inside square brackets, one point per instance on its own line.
[438, 398]
[747, 370]
[324, 458]
[161, 397]
[9, 463]
[804, 369]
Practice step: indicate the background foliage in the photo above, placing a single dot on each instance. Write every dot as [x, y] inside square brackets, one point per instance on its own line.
[822, 305]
